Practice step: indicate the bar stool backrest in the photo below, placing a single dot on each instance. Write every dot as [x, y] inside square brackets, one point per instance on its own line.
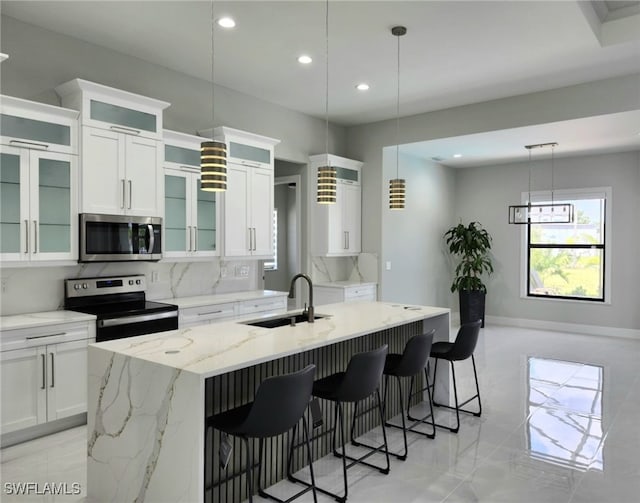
[415, 355]
[466, 340]
[279, 403]
[363, 375]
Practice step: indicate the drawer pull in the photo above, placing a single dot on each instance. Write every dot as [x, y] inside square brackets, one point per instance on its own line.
[43, 336]
[210, 312]
[44, 372]
[29, 144]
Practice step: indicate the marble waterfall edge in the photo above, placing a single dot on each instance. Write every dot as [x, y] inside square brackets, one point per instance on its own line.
[141, 444]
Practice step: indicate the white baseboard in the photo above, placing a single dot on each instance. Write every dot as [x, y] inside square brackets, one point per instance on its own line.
[556, 326]
[576, 328]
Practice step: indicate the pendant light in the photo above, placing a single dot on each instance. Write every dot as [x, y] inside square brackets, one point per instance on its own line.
[326, 192]
[397, 185]
[213, 154]
[543, 213]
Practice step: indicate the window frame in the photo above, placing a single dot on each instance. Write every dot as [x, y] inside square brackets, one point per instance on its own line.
[563, 195]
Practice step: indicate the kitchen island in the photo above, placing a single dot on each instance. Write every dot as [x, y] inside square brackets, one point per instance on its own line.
[149, 396]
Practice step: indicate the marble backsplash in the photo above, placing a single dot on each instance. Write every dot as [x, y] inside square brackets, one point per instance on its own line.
[359, 268]
[34, 289]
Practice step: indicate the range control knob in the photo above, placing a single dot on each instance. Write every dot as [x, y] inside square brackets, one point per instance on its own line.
[138, 282]
[131, 282]
[76, 286]
[85, 286]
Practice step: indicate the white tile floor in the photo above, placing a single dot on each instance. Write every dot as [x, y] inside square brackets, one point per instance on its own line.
[559, 424]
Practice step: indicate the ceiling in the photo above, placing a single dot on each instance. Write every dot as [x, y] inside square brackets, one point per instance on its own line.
[454, 53]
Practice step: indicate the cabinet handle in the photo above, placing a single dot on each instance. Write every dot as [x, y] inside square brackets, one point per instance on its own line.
[35, 236]
[195, 238]
[26, 235]
[255, 240]
[44, 373]
[250, 239]
[348, 240]
[210, 312]
[123, 194]
[130, 194]
[122, 129]
[53, 372]
[29, 144]
[43, 336]
[190, 238]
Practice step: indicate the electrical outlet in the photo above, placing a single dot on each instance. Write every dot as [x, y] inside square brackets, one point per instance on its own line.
[154, 276]
[224, 272]
[388, 265]
[3, 285]
[244, 271]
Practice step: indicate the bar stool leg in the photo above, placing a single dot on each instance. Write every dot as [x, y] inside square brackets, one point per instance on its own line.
[384, 433]
[310, 458]
[249, 469]
[475, 374]
[344, 455]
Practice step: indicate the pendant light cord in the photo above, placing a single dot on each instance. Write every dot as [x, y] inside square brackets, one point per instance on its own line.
[398, 116]
[326, 88]
[213, 86]
[529, 200]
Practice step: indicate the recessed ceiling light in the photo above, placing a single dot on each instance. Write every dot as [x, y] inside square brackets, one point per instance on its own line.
[457, 156]
[227, 22]
[304, 59]
[362, 87]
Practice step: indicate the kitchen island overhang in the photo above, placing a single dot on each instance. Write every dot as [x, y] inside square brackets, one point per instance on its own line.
[149, 395]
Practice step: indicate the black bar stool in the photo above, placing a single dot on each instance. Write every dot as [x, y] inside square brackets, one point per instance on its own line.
[279, 404]
[359, 381]
[410, 363]
[461, 349]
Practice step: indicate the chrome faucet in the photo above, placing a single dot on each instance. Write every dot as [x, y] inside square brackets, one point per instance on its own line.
[307, 310]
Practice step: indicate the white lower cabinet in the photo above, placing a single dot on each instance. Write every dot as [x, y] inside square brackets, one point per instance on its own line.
[274, 305]
[43, 382]
[202, 315]
[344, 293]
[24, 398]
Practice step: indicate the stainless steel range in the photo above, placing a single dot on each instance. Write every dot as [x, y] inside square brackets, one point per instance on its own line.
[120, 305]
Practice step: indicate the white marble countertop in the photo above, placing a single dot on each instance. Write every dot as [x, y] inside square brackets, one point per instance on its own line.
[31, 320]
[345, 284]
[210, 300]
[209, 350]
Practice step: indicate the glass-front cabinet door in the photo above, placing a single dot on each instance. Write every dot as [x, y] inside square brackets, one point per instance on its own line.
[206, 220]
[38, 218]
[53, 206]
[191, 216]
[14, 204]
[176, 238]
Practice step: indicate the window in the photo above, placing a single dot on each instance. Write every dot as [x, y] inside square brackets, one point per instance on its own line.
[567, 261]
[272, 265]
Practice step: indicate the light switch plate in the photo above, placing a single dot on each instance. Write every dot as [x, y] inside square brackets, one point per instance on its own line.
[388, 265]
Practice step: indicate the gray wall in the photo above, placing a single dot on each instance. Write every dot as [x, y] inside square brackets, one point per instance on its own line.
[41, 59]
[412, 238]
[478, 199]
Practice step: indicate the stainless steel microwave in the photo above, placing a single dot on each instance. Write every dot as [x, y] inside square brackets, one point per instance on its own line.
[115, 238]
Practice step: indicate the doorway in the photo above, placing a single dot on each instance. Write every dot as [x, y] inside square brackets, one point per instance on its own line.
[287, 237]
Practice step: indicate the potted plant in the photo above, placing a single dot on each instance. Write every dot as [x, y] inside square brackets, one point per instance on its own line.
[471, 244]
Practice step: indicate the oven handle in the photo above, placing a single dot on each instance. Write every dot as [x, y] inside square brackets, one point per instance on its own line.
[127, 320]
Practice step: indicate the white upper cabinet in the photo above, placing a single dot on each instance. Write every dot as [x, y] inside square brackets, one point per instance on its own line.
[121, 149]
[336, 227]
[38, 173]
[192, 217]
[248, 208]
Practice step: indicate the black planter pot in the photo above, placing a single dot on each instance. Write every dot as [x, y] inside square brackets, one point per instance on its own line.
[471, 306]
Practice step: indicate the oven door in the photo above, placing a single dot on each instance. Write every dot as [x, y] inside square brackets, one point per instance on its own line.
[112, 238]
[109, 329]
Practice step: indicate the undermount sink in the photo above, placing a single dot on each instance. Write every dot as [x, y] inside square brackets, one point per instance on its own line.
[281, 321]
